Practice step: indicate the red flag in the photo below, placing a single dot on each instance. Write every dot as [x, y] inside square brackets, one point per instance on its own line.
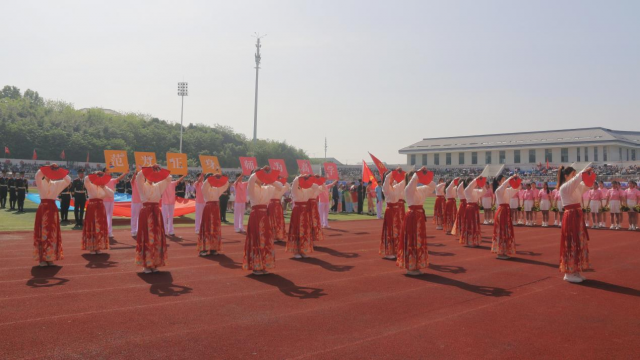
[304, 166]
[87, 157]
[6, 150]
[381, 168]
[35, 156]
[331, 171]
[248, 164]
[367, 175]
[547, 164]
[62, 155]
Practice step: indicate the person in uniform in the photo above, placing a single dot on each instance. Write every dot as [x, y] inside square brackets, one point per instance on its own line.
[4, 189]
[224, 202]
[65, 202]
[22, 188]
[11, 183]
[79, 197]
[181, 190]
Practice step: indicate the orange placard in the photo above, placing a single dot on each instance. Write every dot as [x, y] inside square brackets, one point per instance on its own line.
[144, 159]
[177, 163]
[210, 164]
[116, 161]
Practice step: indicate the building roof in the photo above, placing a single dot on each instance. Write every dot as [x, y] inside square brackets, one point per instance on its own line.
[525, 139]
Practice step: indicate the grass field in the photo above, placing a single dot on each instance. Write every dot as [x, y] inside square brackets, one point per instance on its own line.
[12, 221]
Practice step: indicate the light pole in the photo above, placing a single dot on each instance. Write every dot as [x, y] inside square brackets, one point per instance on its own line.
[183, 90]
[255, 108]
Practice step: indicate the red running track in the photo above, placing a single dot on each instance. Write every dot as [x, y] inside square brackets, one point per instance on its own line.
[344, 303]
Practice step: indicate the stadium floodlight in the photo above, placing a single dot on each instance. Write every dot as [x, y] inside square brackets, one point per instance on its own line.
[258, 58]
[183, 90]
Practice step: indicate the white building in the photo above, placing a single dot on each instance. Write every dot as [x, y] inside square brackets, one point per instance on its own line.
[528, 149]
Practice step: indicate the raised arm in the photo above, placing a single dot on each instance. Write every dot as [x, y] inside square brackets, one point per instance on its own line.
[39, 178]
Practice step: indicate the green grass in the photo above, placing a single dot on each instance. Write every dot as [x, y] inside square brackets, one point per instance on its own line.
[12, 221]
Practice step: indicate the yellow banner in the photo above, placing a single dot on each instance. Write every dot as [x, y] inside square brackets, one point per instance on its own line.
[210, 164]
[116, 161]
[144, 159]
[177, 163]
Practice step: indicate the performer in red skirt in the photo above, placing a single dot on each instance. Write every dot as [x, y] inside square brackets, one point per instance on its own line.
[392, 223]
[450, 210]
[210, 232]
[316, 224]
[574, 238]
[412, 249]
[503, 242]
[471, 233]
[259, 254]
[462, 209]
[151, 248]
[299, 240]
[276, 212]
[47, 240]
[95, 232]
[439, 206]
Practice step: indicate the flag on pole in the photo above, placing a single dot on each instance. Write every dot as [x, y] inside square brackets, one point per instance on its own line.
[381, 168]
[367, 175]
[6, 150]
[62, 155]
[35, 156]
[87, 157]
[547, 164]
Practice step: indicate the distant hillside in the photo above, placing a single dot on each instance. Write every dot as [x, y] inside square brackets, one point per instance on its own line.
[29, 122]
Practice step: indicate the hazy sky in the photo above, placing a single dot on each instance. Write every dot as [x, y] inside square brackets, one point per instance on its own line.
[369, 75]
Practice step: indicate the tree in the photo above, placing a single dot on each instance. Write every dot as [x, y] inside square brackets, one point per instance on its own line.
[10, 92]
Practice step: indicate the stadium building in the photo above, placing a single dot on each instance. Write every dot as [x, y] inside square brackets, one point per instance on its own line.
[527, 150]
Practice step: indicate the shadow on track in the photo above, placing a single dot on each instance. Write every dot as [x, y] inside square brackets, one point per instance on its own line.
[325, 265]
[336, 253]
[532, 262]
[528, 253]
[99, 261]
[438, 253]
[601, 285]
[180, 241]
[44, 277]
[481, 290]
[123, 246]
[224, 261]
[162, 284]
[436, 245]
[453, 269]
[288, 288]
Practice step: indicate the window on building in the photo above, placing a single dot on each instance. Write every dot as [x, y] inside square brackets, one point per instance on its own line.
[487, 157]
[436, 159]
[620, 154]
[578, 154]
[424, 159]
[604, 153]
[532, 156]
[548, 155]
[461, 158]
[502, 157]
[516, 156]
[474, 158]
[586, 153]
[627, 154]
[448, 158]
[633, 154]
[564, 155]
[412, 160]
[595, 153]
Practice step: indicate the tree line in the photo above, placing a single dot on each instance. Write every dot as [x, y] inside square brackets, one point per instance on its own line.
[28, 122]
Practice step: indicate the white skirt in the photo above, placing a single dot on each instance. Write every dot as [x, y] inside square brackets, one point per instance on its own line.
[631, 204]
[486, 203]
[614, 206]
[513, 203]
[528, 204]
[545, 205]
[232, 197]
[595, 205]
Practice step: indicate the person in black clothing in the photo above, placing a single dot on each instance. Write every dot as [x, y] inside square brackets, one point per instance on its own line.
[361, 193]
[65, 202]
[79, 197]
[336, 197]
[224, 201]
[22, 188]
[120, 186]
[127, 186]
[11, 183]
[4, 189]
[180, 189]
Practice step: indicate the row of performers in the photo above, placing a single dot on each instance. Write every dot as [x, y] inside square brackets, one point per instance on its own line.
[404, 233]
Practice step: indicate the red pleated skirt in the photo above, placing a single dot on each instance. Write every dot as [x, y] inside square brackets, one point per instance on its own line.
[151, 248]
[47, 239]
[316, 225]
[460, 224]
[403, 207]
[210, 234]
[574, 241]
[471, 232]
[276, 219]
[503, 241]
[391, 229]
[412, 249]
[439, 210]
[95, 231]
[450, 213]
[259, 254]
[299, 239]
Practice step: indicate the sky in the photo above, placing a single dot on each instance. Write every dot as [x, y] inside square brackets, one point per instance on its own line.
[370, 76]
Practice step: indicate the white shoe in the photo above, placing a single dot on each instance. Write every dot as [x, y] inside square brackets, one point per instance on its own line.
[203, 253]
[146, 270]
[43, 264]
[414, 273]
[92, 252]
[572, 278]
[155, 270]
[560, 224]
[502, 257]
[257, 273]
[390, 257]
[97, 252]
[297, 256]
[134, 234]
[613, 227]
[304, 256]
[580, 276]
[486, 222]
[50, 263]
[438, 227]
